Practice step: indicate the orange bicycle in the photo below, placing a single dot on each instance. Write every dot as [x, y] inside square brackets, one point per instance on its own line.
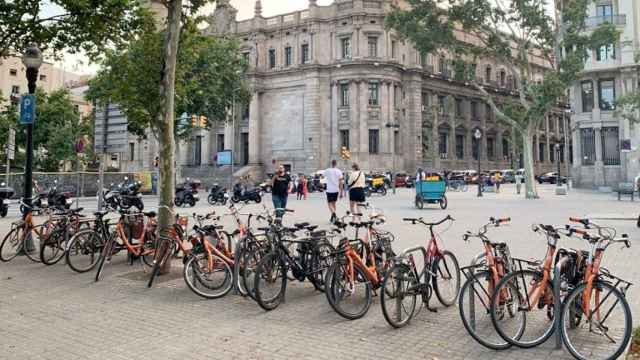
[595, 318]
[136, 235]
[25, 238]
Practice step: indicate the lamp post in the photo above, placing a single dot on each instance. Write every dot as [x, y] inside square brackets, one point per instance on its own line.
[558, 179]
[394, 126]
[477, 134]
[566, 115]
[32, 60]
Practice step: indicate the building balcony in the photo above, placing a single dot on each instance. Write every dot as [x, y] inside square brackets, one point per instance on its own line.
[595, 21]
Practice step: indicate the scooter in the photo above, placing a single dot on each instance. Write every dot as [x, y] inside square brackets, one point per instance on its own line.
[186, 195]
[48, 200]
[124, 195]
[5, 194]
[217, 195]
[240, 194]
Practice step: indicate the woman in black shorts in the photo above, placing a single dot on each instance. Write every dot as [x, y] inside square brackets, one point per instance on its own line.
[356, 188]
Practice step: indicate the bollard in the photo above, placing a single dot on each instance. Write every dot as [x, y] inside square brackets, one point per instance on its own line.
[556, 301]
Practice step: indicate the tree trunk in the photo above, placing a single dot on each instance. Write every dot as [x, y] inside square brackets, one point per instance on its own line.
[531, 190]
[166, 217]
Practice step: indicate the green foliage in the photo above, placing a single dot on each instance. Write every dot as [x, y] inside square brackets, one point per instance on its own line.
[208, 76]
[88, 25]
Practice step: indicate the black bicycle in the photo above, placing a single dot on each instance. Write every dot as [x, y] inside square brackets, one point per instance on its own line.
[310, 260]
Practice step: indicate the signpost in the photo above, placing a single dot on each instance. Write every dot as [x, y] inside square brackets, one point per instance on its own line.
[110, 136]
[27, 109]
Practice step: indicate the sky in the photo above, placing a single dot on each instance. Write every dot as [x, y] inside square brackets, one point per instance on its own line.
[79, 64]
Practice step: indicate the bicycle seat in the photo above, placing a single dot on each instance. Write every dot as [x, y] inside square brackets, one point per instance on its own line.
[150, 214]
[100, 214]
[301, 225]
[311, 227]
[318, 234]
[264, 229]
[76, 211]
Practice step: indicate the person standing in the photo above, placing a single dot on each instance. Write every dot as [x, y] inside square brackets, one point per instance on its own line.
[305, 187]
[335, 188]
[498, 182]
[356, 188]
[280, 185]
[299, 185]
[519, 180]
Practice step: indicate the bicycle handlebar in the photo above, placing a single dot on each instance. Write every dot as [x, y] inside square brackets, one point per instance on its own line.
[414, 221]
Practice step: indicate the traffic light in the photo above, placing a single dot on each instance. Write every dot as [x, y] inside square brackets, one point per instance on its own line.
[345, 154]
[203, 121]
[194, 121]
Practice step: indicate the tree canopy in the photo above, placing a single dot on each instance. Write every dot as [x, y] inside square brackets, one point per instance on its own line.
[208, 76]
[518, 34]
[87, 26]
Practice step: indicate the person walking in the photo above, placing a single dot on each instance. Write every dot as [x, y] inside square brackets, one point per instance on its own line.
[280, 185]
[498, 181]
[305, 188]
[335, 188]
[299, 188]
[356, 188]
[519, 180]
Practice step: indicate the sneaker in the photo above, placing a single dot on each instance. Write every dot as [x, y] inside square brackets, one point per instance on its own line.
[333, 218]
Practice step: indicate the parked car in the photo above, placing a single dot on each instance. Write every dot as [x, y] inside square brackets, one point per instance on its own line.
[508, 176]
[403, 180]
[469, 175]
[457, 176]
[551, 178]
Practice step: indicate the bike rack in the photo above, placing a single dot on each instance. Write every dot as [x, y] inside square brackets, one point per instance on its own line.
[556, 302]
[472, 304]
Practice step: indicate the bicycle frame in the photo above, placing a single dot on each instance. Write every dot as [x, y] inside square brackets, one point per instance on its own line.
[137, 249]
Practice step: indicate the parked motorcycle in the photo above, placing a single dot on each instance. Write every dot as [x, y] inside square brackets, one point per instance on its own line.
[217, 195]
[5, 194]
[53, 199]
[240, 194]
[186, 194]
[124, 195]
[375, 186]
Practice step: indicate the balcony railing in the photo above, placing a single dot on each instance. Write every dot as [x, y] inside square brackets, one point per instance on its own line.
[612, 19]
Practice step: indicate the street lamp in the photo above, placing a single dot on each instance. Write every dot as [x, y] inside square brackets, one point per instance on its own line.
[32, 60]
[477, 134]
[395, 126]
[558, 179]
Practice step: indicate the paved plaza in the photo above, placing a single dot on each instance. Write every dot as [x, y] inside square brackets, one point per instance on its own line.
[54, 313]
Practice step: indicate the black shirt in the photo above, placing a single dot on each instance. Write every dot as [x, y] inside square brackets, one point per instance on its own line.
[281, 185]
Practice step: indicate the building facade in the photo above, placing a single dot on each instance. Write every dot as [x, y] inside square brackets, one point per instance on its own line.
[333, 76]
[606, 145]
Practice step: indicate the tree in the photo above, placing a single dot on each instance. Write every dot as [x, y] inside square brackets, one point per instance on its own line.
[628, 105]
[198, 75]
[89, 26]
[512, 33]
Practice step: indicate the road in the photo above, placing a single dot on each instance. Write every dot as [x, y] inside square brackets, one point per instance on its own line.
[53, 313]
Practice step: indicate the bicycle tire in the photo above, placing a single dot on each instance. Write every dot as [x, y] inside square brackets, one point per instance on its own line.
[441, 274]
[238, 263]
[106, 252]
[11, 241]
[193, 276]
[251, 260]
[321, 260]
[55, 243]
[265, 268]
[161, 256]
[32, 254]
[475, 288]
[399, 282]
[81, 245]
[517, 338]
[337, 292]
[148, 257]
[628, 322]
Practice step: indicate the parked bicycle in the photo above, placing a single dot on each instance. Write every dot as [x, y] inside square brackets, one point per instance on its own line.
[404, 283]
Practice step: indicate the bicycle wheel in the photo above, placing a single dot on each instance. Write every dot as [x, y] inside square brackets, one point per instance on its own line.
[270, 282]
[210, 282]
[515, 318]
[104, 255]
[84, 250]
[238, 267]
[11, 244]
[321, 260]
[474, 304]
[398, 295]
[32, 244]
[162, 254]
[148, 251]
[606, 331]
[349, 296]
[446, 282]
[52, 247]
[251, 260]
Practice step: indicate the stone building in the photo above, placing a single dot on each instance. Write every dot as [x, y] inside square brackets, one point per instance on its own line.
[606, 145]
[333, 76]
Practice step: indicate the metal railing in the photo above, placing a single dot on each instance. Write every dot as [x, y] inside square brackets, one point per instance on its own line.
[594, 21]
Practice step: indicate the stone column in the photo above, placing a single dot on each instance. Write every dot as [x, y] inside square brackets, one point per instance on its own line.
[361, 121]
[255, 145]
[498, 148]
[598, 168]
[354, 132]
[334, 116]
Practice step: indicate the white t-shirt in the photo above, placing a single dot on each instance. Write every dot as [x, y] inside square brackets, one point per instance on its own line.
[333, 176]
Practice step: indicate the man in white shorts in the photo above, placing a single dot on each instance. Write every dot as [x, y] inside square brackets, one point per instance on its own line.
[335, 188]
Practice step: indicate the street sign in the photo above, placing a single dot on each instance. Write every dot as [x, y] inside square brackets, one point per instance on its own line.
[27, 109]
[224, 158]
[110, 130]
